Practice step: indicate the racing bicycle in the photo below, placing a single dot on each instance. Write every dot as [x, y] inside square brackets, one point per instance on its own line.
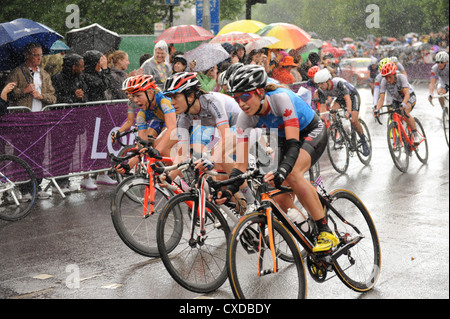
[264, 261]
[399, 137]
[344, 141]
[445, 118]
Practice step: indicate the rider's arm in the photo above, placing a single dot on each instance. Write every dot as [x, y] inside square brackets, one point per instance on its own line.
[380, 101]
[406, 95]
[167, 142]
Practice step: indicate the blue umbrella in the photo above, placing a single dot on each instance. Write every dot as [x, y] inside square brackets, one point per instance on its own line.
[15, 35]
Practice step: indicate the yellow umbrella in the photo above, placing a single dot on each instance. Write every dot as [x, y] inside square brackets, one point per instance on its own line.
[248, 26]
[290, 36]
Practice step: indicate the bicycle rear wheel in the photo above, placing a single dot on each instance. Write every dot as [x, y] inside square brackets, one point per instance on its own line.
[421, 150]
[359, 267]
[196, 263]
[398, 147]
[18, 188]
[359, 149]
[337, 149]
[136, 231]
[249, 254]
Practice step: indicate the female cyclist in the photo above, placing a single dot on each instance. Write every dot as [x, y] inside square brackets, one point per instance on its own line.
[402, 93]
[155, 114]
[439, 74]
[346, 95]
[270, 106]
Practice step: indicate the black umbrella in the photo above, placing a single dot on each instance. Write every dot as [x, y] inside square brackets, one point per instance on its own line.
[93, 37]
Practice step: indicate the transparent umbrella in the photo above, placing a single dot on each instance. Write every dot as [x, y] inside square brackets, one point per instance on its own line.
[206, 56]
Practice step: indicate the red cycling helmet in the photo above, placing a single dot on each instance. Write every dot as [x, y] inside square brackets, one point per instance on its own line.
[138, 83]
[312, 71]
[389, 69]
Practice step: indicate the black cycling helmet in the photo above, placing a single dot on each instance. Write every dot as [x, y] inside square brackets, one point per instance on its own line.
[247, 78]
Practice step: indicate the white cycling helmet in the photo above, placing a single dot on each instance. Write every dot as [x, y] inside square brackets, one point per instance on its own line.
[441, 57]
[322, 76]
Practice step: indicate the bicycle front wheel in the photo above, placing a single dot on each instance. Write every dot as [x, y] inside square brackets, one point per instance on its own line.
[18, 188]
[198, 261]
[337, 149]
[398, 147]
[359, 267]
[445, 122]
[421, 150]
[137, 231]
[359, 148]
[250, 258]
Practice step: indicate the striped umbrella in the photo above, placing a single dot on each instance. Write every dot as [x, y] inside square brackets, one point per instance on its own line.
[236, 37]
[184, 34]
[290, 36]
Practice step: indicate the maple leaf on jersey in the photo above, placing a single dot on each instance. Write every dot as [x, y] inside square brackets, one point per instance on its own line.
[287, 113]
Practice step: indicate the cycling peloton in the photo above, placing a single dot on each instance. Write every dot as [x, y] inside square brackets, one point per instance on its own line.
[346, 96]
[270, 106]
[439, 74]
[402, 94]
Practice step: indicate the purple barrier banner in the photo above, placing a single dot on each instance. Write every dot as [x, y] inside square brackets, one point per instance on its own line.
[60, 142]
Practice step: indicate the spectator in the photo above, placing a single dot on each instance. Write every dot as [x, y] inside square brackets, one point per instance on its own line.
[258, 57]
[158, 65]
[70, 88]
[97, 75]
[238, 52]
[144, 57]
[179, 63]
[4, 98]
[313, 59]
[282, 73]
[208, 79]
[120, 62]
[34, 87]
[69, 83]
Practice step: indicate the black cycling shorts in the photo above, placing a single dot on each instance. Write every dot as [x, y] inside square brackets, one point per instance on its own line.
[313, 139]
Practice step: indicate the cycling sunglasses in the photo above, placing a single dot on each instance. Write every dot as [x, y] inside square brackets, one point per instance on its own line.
[244, 97]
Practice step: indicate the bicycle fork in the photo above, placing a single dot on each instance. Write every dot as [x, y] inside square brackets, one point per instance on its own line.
[269, 218]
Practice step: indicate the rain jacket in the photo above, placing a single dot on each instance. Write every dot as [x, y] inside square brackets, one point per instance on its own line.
[22, 76]
[66, 82]
[98, 83]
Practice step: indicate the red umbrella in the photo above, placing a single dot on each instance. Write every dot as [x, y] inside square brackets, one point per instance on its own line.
[236, 37]
[184, 33]
[335, 51]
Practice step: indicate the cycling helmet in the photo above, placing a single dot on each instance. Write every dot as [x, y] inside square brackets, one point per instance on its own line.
[389, 69]
[383, 62]
[322, 76]
[138, 83]
[247, 78]
[230, 71]
[394, 59]
[183, 82]
[441, 56]
[312, 71]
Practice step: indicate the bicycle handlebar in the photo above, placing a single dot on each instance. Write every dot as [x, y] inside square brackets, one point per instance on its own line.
[116, 137]
[392, 109]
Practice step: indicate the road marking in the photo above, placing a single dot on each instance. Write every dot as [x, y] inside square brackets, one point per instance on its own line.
[42, 276]
[112, 286]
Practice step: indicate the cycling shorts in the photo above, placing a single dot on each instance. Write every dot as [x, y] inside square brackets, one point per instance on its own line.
[313, 139]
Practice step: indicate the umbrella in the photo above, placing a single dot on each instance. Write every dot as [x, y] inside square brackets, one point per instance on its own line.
[92, 37]
[206, 55]
[260, 43]
[235, 37]
[311, 45]
[249, 26]
[290, 36]
[184, 34]
[15, 35]
[335, 51]
[59, 47]
[347, 40]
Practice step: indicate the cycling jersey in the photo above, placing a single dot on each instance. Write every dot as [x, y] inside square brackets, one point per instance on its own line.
[340, 88]
[441, 76]
[395, 90]
[217, 109]
[285, 109]
[154, 116]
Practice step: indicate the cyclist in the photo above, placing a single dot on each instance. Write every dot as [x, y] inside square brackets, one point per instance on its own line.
[402, 93]
[155, 114]
[346, 95]
[271, 106]
[205, 121]
[439, 74]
